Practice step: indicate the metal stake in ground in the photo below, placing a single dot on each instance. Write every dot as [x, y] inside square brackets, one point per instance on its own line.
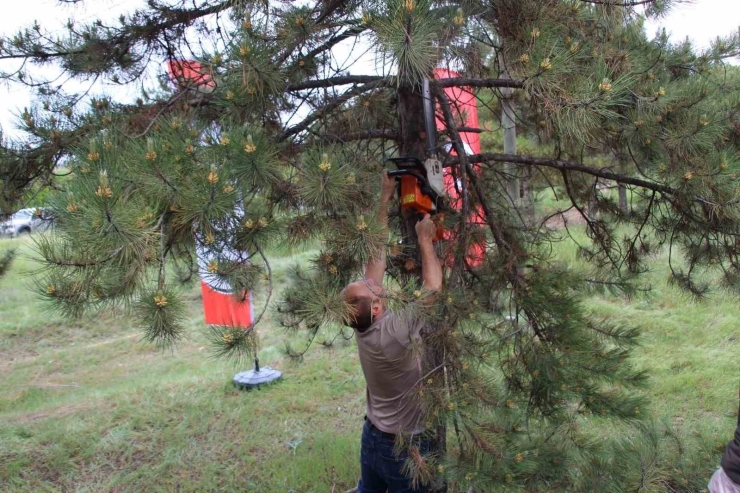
[251, 379]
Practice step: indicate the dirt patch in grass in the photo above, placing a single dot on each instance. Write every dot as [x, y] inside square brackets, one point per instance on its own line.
[568, 218]
[57, 412]
[8, 359]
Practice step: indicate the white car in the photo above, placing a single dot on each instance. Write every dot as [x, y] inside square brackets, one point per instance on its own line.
[25, 221]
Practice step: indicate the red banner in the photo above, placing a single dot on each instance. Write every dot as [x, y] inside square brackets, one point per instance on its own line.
[221, 305]
[189, 72]
[465, 111]
[223, 309]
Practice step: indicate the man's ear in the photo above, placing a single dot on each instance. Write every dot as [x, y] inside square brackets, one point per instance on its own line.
[376, 307]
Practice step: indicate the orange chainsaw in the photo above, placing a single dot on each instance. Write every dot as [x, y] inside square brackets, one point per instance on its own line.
[417, 195]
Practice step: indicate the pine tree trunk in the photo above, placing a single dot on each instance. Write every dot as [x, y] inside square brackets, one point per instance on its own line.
[527, 196]
[622, 197]
[592, 203]
[411, 123]
[412, 144]
[621, 189]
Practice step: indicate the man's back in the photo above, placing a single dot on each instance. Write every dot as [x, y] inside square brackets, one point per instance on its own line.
[391, 369]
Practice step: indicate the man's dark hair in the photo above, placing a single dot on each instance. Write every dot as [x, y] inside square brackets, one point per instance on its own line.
[361, 315]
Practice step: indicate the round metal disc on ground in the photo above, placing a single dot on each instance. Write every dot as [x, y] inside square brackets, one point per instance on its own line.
[252, 379]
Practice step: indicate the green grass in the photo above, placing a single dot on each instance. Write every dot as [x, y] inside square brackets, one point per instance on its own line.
[85, 406]
[689, 347]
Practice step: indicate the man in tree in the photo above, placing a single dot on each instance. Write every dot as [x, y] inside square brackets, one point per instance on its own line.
[391, 367]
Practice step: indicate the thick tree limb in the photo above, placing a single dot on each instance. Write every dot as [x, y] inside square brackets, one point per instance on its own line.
[475, 82]
[471, 130]
[388, 81]
[567, 166]
[612, 3]
[365, 134]
[334, 81]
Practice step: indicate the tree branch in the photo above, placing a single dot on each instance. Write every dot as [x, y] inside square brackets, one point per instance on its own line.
[471, 130]
[464, 159]
[335, 81]
[474, 82]
[323, 111]
[363, 135]
[362, 79]
[169, 18]
[566, 166]
[83, 264]
[335, 40]
[269, 290]
[329, 9]
[611, 3]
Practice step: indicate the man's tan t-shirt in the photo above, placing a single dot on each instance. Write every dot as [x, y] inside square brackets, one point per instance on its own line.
[392, 369]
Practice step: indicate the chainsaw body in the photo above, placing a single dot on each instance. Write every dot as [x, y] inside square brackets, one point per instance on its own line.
[416, 193]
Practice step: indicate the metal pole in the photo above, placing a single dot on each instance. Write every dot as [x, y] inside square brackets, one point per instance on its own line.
[429, 120]
[508, 123]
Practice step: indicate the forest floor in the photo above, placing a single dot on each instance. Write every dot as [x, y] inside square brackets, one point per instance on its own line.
[86, 406]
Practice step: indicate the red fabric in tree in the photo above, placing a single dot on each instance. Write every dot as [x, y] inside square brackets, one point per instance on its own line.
[223, 309]
[465, 111]
[191, 73]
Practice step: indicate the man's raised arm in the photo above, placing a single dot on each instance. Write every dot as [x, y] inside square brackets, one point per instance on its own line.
[375, 268]
[431, 270]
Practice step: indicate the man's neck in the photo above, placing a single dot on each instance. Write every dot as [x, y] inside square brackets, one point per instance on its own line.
[375, 319]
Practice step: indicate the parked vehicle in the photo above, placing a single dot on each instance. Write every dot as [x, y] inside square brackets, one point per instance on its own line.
[25, 221]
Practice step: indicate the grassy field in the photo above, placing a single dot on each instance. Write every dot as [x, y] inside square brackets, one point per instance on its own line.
[85, 406]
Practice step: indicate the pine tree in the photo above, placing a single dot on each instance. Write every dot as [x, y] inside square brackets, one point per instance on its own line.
[282, 145]
[6, 259]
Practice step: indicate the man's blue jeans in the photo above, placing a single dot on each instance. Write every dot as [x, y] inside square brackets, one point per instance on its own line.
[380, 468]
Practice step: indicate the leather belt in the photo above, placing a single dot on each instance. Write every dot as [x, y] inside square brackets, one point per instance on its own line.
[384, 434]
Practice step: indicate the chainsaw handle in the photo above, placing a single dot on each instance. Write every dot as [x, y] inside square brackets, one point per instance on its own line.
[406, 160]
[397, 173]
